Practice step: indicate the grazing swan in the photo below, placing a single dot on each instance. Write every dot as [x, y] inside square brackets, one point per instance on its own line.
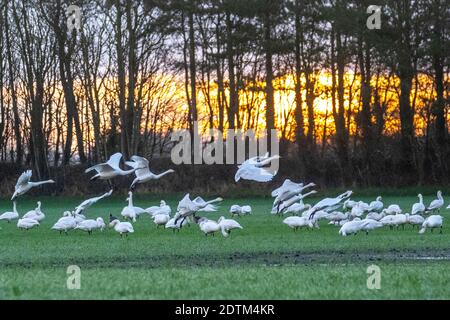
[90, 202]
[35, 214]
[437, 204]
[187, 207]
[110, 169]
[419, 207]
[91, 225]
[330, 204]
[143, 173]
[9, 216]
[388, 220]
[208, 226]
[122, 227]
[295, 222]
[24, 184]
[400, 220]
[163, 208]
[415, 219]
[238, 210]
[432, 222]
[252, 169]
[226, 225]
[65, 224]
[337, 216]
[369, 225]
[161, 219]
[351, 227]
[392, 209]
[27, 223]
[296, 209]
[377, 205]
[377, 216]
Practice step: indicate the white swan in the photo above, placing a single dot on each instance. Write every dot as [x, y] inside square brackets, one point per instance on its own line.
[252, 169]
[78, 217]
[238, 210]
[377, 216]
[358, 210]
[27, 223]
[91, 225]
[288, 190]
[130, 211]
[349, 204]
[163, 208]
[90, 202]
[295, 222]
[415, 219]
[392, 209]
[432, 222]
[400, 220]
[161, 219]
[122, 227]
[330, 204]
[137, 210]
[281, 207]
[376, 205]
[337, 216]
[419, 207]
[187, 207]
[296, 209]
[316, 216]
[208, 226]
[110, 169]
[226, 225]
[176, 224]
[351, 227]
[437, 204]
[65, 224]
[35, 214]
[10, 216]
[143, 173]
[369, 225]
[24, 184]
[388, 220]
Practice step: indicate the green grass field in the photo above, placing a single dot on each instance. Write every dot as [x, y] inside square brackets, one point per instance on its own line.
[266, 260]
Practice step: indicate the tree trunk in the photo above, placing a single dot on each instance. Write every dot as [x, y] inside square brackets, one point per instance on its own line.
[270, 112]
[15, 109]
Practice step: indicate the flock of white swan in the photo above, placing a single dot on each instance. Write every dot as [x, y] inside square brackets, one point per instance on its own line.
[352, 216]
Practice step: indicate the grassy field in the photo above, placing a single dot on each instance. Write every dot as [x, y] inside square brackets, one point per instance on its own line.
[266, 260]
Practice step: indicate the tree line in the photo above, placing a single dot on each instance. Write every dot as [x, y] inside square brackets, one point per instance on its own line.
[367, 102]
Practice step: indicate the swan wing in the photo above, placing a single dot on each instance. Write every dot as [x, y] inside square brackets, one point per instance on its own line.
[209, 208]
[185, 203]
[141, 163]
[200, 201]
[114, 161]
[286, 186]
[256, 174]
[24, 178]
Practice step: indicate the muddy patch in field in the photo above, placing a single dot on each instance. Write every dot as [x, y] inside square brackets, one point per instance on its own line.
[241, 259]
